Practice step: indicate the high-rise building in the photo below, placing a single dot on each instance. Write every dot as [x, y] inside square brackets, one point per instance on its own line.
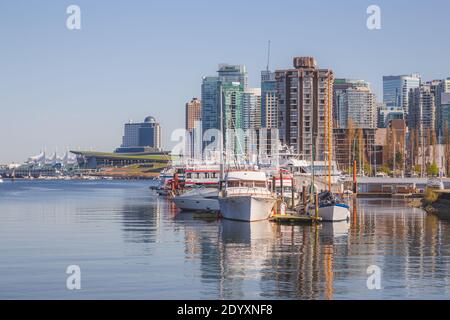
[233, 73]
[193, 114]
[211, 95]
[269, 106]
[224, 91]
[305, 96]
[444, 115]
[422, 111]
[353, 100]
[385, 114]
[440, 89]
[141, 136]
[251, 108]
[232, 93]
[339, 112]
[361, 108]
[396, 90]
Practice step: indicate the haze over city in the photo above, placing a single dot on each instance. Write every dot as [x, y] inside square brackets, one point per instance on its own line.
[75, 89]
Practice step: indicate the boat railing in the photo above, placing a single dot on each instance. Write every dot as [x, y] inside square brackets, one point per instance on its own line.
[243, 191]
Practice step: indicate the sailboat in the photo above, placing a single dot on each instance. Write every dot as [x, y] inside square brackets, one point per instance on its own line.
[330, 207]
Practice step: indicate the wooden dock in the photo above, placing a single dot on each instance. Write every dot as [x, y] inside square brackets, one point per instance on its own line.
[388, 195]
[294, 219]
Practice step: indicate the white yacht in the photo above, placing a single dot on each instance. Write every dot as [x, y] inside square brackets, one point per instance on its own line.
[246, 196]
[199, 200]
[1, 180]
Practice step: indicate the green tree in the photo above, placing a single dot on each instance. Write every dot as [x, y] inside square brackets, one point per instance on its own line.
[433, 170]
[417, 168]
[399, 159]
[384, 169]
[367, 168]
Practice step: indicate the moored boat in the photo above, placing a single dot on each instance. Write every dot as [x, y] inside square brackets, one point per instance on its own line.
[202, 175]
[246, 196]
[335, 213]
[331, 208]
[198, 200]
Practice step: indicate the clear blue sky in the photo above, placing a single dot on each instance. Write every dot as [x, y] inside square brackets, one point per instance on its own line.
[75, 89]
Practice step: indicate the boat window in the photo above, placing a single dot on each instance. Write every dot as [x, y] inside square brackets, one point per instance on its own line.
[233, 184]
[247, 184]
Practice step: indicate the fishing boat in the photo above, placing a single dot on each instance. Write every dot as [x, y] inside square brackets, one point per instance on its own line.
[202, 175]
[198, 200]
[246, 196]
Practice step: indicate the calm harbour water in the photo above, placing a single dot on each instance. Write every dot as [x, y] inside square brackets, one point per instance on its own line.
[130, 244]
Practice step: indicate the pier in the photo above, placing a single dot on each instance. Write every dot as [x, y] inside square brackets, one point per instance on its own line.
[291, 218]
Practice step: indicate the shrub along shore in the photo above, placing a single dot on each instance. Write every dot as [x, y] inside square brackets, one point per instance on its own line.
[437, 202]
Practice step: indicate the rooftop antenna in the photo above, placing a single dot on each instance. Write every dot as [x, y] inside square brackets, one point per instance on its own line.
[268, 56]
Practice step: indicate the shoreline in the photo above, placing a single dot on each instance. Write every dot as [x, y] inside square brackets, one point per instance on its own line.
[438, 203]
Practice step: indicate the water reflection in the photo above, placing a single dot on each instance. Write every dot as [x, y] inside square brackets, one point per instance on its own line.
[243, 251]
[326, 261]
[112, 229]
[142, 218]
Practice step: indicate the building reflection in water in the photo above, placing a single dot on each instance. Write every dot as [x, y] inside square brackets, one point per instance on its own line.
[326, 261]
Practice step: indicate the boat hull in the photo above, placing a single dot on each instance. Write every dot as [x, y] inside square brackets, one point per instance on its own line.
[246, 208]
[197, 204]
[334, 213]
[162, 192]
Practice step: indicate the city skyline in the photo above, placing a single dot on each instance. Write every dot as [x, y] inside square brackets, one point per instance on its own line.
[60, 86]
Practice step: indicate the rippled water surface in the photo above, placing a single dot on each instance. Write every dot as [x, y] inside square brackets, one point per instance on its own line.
[130, 244]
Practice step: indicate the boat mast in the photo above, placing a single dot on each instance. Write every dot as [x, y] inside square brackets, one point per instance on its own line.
[330, 133]
[313, 191]
[221, 158]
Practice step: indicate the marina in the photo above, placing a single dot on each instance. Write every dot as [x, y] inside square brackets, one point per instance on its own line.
[131, 243]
